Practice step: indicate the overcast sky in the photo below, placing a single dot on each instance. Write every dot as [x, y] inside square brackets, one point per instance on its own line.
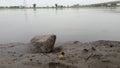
[49, 2]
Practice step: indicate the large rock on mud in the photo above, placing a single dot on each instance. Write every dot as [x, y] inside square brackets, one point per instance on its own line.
[44, 43]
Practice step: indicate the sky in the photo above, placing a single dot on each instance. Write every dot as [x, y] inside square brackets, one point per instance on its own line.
[48, 2]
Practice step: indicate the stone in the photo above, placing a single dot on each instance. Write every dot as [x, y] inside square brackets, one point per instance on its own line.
[85, 50]
[44, 43]
[75, 42]
[93, 49]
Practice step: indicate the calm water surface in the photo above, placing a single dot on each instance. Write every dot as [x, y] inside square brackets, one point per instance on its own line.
[20, 25]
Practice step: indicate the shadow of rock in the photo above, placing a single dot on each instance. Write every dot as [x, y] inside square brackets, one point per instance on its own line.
[57, 49]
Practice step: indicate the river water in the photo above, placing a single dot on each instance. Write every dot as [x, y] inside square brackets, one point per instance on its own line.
[83, 24]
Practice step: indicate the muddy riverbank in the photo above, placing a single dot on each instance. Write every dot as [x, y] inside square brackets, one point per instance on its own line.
[96, 54]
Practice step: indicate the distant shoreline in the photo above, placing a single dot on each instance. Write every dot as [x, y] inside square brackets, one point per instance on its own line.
[51, 7]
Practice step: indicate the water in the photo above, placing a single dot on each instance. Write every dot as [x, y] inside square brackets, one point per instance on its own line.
[20, 25]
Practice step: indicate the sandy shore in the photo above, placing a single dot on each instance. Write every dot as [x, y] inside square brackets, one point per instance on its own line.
[96, 54]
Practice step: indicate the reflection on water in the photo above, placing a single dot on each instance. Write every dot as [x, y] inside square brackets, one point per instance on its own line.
[20, 25]
[25, 13]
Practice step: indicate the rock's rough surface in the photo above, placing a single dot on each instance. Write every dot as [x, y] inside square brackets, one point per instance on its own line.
[44, 43]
